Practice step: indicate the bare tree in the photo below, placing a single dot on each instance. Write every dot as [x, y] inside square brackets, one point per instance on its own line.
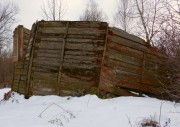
[123, 15]
[169, 43]
[93, 12]
[8, 12]
[149, 14]
[53, 10]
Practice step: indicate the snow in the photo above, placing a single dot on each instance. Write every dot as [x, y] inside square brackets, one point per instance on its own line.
[86, 111]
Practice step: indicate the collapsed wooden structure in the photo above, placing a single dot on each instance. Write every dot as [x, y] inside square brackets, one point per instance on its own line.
[80, 57]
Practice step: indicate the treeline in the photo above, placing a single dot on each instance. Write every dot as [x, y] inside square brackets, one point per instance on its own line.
[6, 69]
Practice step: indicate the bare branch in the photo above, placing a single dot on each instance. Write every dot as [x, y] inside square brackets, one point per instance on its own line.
[53, 10]
[8, 12]
[123, 15]
[93, 13]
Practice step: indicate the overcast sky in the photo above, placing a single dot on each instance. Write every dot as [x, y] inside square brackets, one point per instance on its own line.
[30, 10]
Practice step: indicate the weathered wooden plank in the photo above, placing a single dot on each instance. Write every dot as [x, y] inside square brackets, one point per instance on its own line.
[82, 58]
[43, 91]
[125, 50]
[79, 80]
[121, 57]
[62, 30]
[23, 78]
[85, 47]
[77, 24]
[112, 63]
[51, 39]
[26, 37]
[148, 77]
[109, 87]
[67, 93]
[155, 66]
[26, 42]
[41, 59]
[46, 55]
[138, 87]
[135, 53]
[44, 82]
[47, 51]
[81, 53]
[42, 75]
[123, 34]
[137, 46]
[61, 35]
[54, 46]
[45, 63]
[80, 61]
[79, 72]
[73, 40]
[48, 68]
[79, 66]
[17, 71]
[128, 43]
[25, 30]
[87, 41]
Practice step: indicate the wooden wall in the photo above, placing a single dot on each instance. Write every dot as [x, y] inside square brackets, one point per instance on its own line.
[20, 42]
[20, 77]
[76, 58]
[66, 57]
[131, 65]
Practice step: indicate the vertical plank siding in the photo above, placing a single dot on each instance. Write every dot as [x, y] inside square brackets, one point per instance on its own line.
[78, 57]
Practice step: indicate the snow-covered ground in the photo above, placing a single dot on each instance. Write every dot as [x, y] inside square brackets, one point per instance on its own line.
[86, 111]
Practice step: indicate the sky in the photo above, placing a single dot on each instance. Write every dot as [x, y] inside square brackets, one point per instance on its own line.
[30, 10]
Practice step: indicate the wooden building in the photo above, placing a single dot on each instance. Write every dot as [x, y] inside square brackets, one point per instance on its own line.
[80, 57]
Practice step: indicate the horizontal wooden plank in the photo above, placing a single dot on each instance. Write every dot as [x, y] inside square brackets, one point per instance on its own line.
[128, 43]
[83, 47]
[79, 72]
[109, 87]
[137, 46]
[121, 57]
[82, 31]
[139, 87]
[153, 79]
[87, 41]
[41, 59]
[77, 24]
[46, 55]
[78, 81]
[44, 91]
[81, 53]
[123, 34]
[46, 63]
[73, 40]
[125, 50]
[25, 30]
[54, 46]
[112, 63]
[44, 82]
[42, 75]
[47, 51]
[44, 67]
[61, 35]
[84, 62]
[79, 66]
[82, 58]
